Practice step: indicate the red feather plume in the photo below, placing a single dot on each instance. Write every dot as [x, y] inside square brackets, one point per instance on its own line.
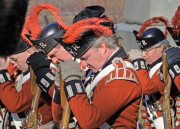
[94, 23]
[151, 21]
[32, 24]
[176, 21]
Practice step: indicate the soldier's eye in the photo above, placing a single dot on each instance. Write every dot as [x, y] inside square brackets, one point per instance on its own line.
[15, 60]
[51, 56]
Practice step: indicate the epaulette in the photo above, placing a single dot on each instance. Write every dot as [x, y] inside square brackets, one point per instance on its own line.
[123, 70]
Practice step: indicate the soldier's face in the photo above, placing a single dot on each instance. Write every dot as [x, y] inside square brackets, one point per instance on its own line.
[93, 59]
[151, 55]
[59, 54]
[19, 61]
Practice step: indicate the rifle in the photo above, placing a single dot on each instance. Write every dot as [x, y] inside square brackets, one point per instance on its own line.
[65, 105]
[166, 97]
[32, 119]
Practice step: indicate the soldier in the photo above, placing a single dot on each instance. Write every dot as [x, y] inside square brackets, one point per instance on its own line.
[115, 92]
[19, 98]
[30, 24]
[152, 42]
[46, 43]
[11, 29]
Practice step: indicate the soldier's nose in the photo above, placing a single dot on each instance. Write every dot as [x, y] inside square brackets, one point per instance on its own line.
[84, 64]
[54, 60]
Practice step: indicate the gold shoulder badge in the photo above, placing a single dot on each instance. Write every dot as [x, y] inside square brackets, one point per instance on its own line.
[121, 71]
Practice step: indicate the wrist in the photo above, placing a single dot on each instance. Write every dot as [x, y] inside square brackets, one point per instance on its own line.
[73, 87]
[4, 76]
[45, 79]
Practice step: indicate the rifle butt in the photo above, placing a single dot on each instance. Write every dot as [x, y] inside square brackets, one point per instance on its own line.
[166, 97]
[65, 105]
[32, 119]
[65, 117]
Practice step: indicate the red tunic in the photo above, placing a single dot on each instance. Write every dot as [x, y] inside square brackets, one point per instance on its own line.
[177, 82]
[57, 109]
[18, 102]
[116, 102]
[150, 86]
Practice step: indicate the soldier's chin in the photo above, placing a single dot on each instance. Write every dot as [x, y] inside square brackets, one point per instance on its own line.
[149, 63]
[94, 70]
[22, 70]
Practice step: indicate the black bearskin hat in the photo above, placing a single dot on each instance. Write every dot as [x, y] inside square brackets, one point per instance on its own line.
[22, 46]
[12, 17]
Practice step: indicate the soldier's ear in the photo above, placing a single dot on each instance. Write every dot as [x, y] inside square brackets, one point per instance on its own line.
[103, 48]
[162, 48]
[30, 51]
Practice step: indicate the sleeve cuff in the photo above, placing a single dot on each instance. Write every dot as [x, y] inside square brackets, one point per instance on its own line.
[73, 87]
[139, 63]
[4, 76]
[45, 79]
[174, 69]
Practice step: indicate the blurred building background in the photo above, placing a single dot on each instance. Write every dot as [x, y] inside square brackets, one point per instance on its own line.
[69, 8]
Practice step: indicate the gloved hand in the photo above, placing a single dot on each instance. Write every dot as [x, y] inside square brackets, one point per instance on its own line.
[173, 55]
[37, 61]
[70, 70]
[72, 76]
[137, 59]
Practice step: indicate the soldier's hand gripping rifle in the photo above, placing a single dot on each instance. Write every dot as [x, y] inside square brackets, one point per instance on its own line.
[68, 75]
[65, 105]
[166, 97]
